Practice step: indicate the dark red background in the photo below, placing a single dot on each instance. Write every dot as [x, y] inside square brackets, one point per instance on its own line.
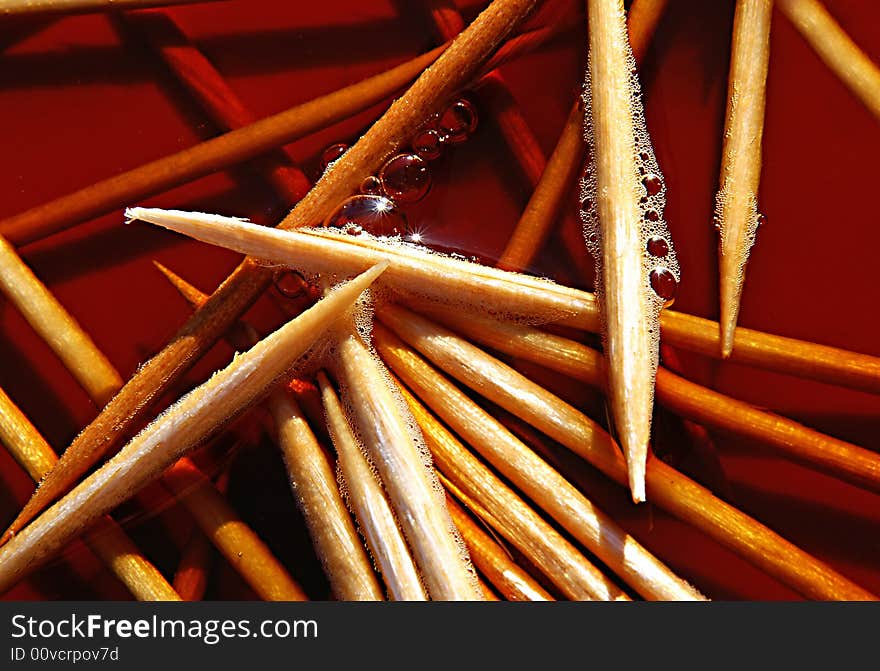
[79, 104]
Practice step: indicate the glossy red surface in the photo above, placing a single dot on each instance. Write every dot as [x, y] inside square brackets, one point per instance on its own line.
[80, 101]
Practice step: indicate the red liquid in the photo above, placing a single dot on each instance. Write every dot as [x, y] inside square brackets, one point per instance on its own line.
[79, 105]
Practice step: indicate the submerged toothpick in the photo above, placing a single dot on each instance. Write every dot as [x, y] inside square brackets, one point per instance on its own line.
[736, 205]
[180, 429]
[623, 199]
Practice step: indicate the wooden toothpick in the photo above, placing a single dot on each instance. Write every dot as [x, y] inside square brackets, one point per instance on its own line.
[106, 539]
[736, 205]
[624, 209]
[854, 68]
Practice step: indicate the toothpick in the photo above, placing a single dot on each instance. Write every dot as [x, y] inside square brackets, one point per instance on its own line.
[368, 501]
[618, 231]
[511, 580]
[11, 8]
[411, 487]
[533, 476]
[57, 327]
[736, 205]
[337, 544]
[479, 288]
[191, 576]
[235, 540]
[705, 406]
[312, 480]
[843, 56]
[668, 488]
[181, 428]
[500, 506]
[106, 539]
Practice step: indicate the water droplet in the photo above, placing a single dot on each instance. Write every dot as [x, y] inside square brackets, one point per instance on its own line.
[375, 214]
[406, 178]
[427, 144]
[762, 219]
[457, 121]
[658, 247]
[290, 283]
[652, 215]
[371, 185]
[663, 283]
[332, 153]
[652, 183]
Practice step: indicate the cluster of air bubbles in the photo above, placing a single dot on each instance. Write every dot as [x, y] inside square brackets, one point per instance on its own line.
[405, 178]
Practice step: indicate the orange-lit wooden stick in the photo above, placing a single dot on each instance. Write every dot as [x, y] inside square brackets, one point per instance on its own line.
[235, 540]
[10, 8]
[854, 68]
[106, 539]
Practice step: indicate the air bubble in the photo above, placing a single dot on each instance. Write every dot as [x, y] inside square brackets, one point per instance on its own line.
[290, 283]
[658, 247]
[652, 215]
[663, 283]
[427, 145]
[762, 219]
[652, 184]
[376, 214]
[406, 178]
[457, 122]
[332, 153]
[371, 186]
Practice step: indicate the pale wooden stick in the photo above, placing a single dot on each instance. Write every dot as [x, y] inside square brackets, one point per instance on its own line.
[57, 327]
[181, 428]
[106, 539]
[10, 8]
[511, 580]
[629, 306]
[311, 475]
[412, 489]
[598, 532]
[235, 540]
[479, 288]
[642, 20]
[854, 68]
[370, 505]
[705, 406]
[669, 489]
[312, 481]
[512, 517]
[736, 205]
